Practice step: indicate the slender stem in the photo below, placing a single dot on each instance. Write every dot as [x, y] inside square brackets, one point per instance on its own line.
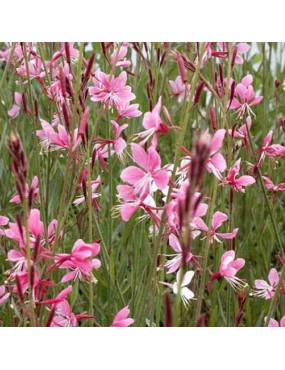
[90, 235]
[205, 257]
[36, 143]
[29, 263]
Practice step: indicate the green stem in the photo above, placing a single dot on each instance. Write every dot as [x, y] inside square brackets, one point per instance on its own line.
[29, 262]
[205, 256]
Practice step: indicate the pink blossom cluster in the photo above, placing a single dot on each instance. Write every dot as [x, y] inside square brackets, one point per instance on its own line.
[96, 128]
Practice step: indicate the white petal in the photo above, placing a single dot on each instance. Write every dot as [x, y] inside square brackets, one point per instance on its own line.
[187, 293]
[187, 278]
[178, 276]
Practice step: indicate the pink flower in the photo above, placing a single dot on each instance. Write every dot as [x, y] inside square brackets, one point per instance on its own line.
[52, 140]
[241, 132]
[117, 58]
[265, 290]
[244, 97]
[33, 190]
[111, 90]
[59, 298]
[128, 110]
[65, 46]
[241, 48]
[153, 124]
[37, 240]
[132, 202]
[80, 261]
[74, 53]
[178, 89]
[150, 176]
[275, 324]
[119, 144]
[122, 318]
[217, 220]
[3, 221]
[270, 185]
[216, 162]
[229, 267]
[222, 51]
[94, 195]
[210, 52]
[35, 67]
[238, 184]
[101, 153]
[3, 297]
[198, 209]
[64, 317]
[57, 90]
[268, 149]
[36, 229]
[23, 279]
[175, 263]
[15, 109]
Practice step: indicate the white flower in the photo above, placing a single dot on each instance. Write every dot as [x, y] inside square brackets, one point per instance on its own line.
[185, 293]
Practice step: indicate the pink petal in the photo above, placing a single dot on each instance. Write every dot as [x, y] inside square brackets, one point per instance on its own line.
[122, 314]
[4, 298]
[261, 284]
[217, 140]
[241, 91]
[256, 101]
[35, 224]
[174, 243]
[14, 255]
[273, 323]
[242, 48]
[235, 104]
[14, 111]
[228, 235]
[153, 159]
[228, 256]
[238, 264]
[132, 175]
[219, 162]
[247, 80]
[139, 156]
[161, 179]
[245, 181]
[126, 192]
[273, 277]
[128, 210]
[124, 323]
[218, 219]
[69, 276]
[18, 98]
[282, 322]
[2, 290]
[3, 220]
[96, 263]
[228, 272]
[268, 138]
